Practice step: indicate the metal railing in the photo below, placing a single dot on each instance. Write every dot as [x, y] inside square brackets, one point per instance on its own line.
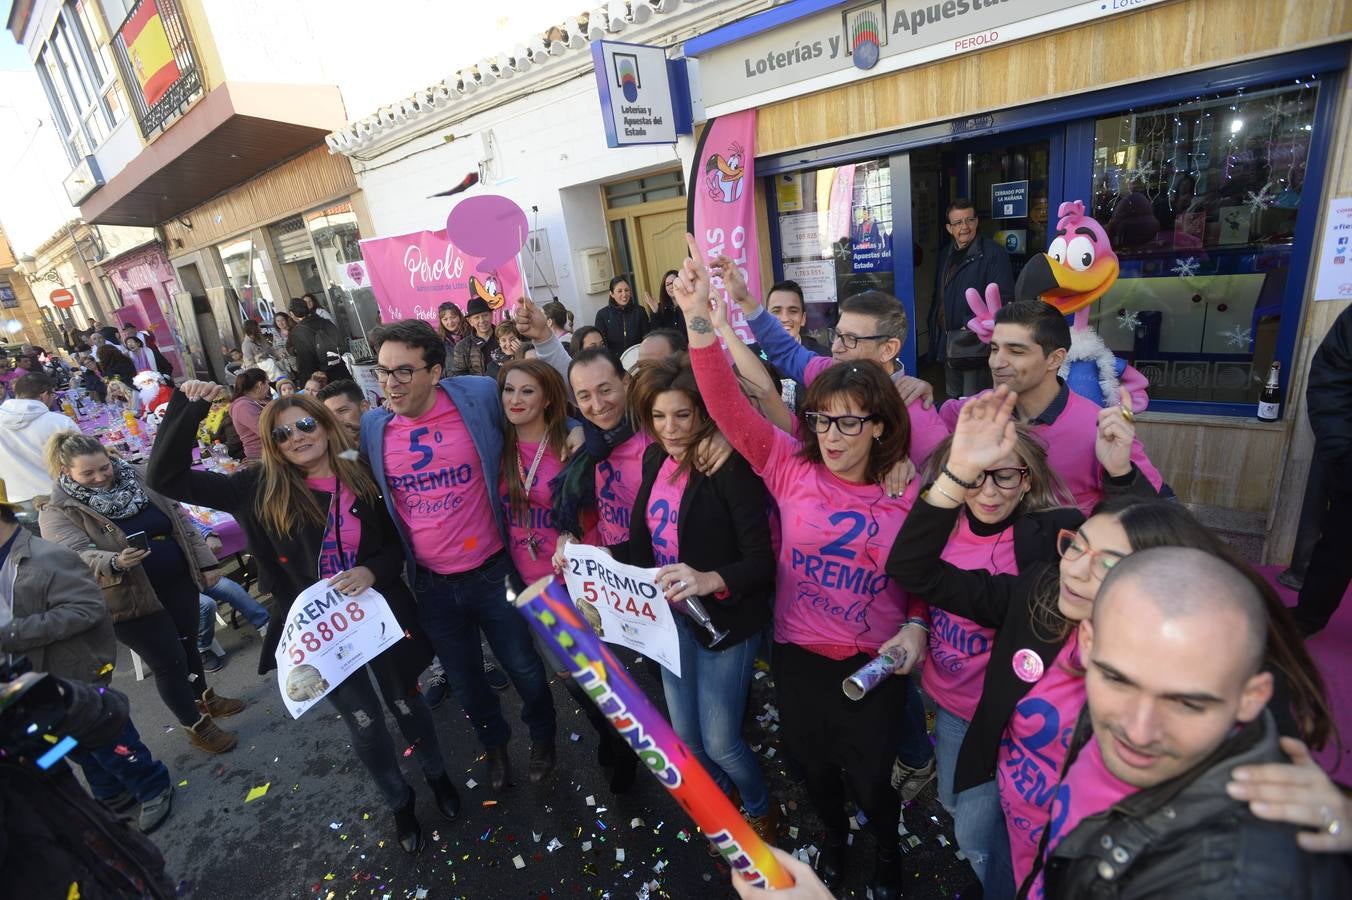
[152, 118]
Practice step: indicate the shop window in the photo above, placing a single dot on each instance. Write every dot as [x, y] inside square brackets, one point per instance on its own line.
[74, 69]
[835, 234]
[248, 279]
[342, 279]
[1199, 199]
[663, 186]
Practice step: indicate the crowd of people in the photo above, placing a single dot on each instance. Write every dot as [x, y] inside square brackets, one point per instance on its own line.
[1122, 705]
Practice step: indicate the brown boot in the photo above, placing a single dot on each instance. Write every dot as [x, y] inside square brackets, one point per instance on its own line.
[209, 736]
[767, 826]
[218, 707]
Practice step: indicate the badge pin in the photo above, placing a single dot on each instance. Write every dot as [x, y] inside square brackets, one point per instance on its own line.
[1028, 665]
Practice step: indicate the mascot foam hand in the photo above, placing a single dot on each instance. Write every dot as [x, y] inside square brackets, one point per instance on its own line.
[982, 322]
[1136, 384]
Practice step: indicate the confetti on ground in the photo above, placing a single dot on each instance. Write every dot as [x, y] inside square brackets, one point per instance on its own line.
[183, 783]
[518, 861]
[256, 792]
[619, 854]
[490, 803]
[471, 784]
[591, 800]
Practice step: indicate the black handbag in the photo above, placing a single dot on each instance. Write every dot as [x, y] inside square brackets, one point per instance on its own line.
[965, 351]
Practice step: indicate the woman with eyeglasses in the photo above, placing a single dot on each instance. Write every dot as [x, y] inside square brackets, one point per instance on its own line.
[834, 603]
[312, 514]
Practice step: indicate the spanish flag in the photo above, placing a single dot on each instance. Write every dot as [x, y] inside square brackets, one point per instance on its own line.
[148, 49]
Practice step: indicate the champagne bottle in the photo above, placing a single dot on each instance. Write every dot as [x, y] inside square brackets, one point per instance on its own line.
[1270, 401]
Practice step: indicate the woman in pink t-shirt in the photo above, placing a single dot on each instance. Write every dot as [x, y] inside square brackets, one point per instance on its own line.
[985, 537]
[834, 603]
[710, 535]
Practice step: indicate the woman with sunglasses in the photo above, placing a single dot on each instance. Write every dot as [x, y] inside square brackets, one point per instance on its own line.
[998, 517]
[834, 603]
[311, 514]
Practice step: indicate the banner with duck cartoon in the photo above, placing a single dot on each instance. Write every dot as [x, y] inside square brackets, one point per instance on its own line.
[476, 255]
[722, 208]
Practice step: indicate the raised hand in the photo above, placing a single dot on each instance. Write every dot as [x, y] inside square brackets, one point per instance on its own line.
[690, 290]
[734, 282]
[204, 390]
[1116, 432]
[983, 318]
[530, 321]
[984, 433]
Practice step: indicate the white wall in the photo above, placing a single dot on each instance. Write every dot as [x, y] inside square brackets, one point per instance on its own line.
[551, 153]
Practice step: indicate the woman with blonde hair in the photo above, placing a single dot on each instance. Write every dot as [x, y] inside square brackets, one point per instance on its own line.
[313, 514]
[152, 565]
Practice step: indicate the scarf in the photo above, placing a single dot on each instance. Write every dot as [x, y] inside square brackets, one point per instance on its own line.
[574, 488]
[121, 500]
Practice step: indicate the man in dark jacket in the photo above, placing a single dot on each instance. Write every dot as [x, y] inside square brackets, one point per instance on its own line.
[475, 354]
[1176, 699]
[317, 343]
[58, 619]
[969, 261]
[1328, 398]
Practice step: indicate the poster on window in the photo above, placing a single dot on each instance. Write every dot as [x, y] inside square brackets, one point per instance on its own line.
[1334, 281]
[870, 243]
[326, 637]
[800, 237]
[623, 604]
[817, 278]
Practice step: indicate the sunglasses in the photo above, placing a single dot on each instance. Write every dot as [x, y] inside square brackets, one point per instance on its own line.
[282, 433]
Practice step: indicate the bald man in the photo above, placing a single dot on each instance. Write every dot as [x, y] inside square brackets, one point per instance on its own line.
[1177, 698]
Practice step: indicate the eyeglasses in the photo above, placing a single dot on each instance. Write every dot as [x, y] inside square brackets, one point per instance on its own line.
[970, 220]
[848, 426]
[401, 375]
[1071, 547]
[1006, 477]
[850, 341]
[282, 433]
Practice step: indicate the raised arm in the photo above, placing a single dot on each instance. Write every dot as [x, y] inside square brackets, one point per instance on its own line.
[533, 325]
[749, 433]
[745, 361]
[170, 470]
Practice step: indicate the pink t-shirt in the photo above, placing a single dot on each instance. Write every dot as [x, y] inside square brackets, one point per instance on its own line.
[831, 587]
[960, 648]
[342, 533]
[618, 478]
[434, 474]
[664, 508]
[1032, 750]
[538, 518]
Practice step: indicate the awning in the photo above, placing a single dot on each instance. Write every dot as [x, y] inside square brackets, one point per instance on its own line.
[229, 136]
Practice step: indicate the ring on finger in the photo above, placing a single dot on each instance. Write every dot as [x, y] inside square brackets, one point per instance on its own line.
[1128, 414]
[1332, 824]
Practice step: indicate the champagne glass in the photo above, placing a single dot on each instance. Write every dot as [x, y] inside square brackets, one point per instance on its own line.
[693, 608]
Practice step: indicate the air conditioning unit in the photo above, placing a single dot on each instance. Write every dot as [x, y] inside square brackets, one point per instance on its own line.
[595, 269]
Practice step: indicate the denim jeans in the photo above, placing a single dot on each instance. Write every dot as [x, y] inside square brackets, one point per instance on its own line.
[124, 764]
[454, 609]
[355, 699]
[227, 591]
[706, 704]
[915, 749]
[978, 822]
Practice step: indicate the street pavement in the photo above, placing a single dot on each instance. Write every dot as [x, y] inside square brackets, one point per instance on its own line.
[321, 831]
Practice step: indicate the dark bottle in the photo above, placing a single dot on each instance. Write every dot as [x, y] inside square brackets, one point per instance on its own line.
[1270, 401]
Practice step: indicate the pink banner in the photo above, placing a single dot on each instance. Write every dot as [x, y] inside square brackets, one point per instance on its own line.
[413, 274]
[840, 208]
[723, 208]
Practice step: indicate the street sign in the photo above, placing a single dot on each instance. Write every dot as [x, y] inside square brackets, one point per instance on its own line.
[62, 298]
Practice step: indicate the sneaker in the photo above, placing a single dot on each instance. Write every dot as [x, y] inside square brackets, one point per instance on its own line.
[210, 661]
[121, 804]
[909, 781]
[434, 689]
[155, 810]
[497, 679]
[1290, 579]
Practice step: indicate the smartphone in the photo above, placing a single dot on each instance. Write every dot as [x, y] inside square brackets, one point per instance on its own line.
[139, 540]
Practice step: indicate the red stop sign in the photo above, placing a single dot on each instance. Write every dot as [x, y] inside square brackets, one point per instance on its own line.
[62, 298]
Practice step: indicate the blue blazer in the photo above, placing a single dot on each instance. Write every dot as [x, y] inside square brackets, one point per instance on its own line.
[476, 397]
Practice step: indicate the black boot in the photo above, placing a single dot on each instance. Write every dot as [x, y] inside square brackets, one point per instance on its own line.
[499, 768]
[448, 799]
[831, 861]
[887, 873]
[407, 827]
[541, 760]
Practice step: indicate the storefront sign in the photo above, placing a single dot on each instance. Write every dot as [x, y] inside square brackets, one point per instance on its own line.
[831, 48]
[870, 243]
[1335, 253]
[327, 636]
[636, 99]
[412, 274]
[623, 604]
[722, 216]
[1009, 200]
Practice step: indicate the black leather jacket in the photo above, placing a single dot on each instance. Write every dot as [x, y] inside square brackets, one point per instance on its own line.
[1329, 399]
[1187, 838]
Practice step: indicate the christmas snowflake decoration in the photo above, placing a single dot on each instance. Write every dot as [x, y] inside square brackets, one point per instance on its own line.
[1140, 172]
[1238, 337]
[1128, 319]
[1279, 109]
[1186, 268]
[1261, 200]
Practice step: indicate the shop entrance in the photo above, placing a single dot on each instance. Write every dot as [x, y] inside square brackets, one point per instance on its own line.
[1008, 179]
[646, 219]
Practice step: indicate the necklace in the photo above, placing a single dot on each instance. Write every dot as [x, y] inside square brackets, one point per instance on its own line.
[527, 480]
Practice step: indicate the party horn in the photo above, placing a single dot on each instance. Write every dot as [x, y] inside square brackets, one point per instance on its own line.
[549, 610]
[871, 674]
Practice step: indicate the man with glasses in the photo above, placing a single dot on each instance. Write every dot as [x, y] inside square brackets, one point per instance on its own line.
[436, 447]
[968, 261]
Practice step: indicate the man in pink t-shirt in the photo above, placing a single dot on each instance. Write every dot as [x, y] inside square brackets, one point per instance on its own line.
[1028, 346]
[1176, 690]
[436, 449]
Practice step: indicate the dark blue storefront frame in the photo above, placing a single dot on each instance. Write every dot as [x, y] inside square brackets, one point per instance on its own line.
[1071, 164]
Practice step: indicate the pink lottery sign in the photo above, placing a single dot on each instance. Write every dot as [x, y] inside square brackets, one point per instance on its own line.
[475, 256]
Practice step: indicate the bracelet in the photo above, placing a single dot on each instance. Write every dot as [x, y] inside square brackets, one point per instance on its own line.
[918, 622]
[970, 485]
[937, 487]
[114, 567]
